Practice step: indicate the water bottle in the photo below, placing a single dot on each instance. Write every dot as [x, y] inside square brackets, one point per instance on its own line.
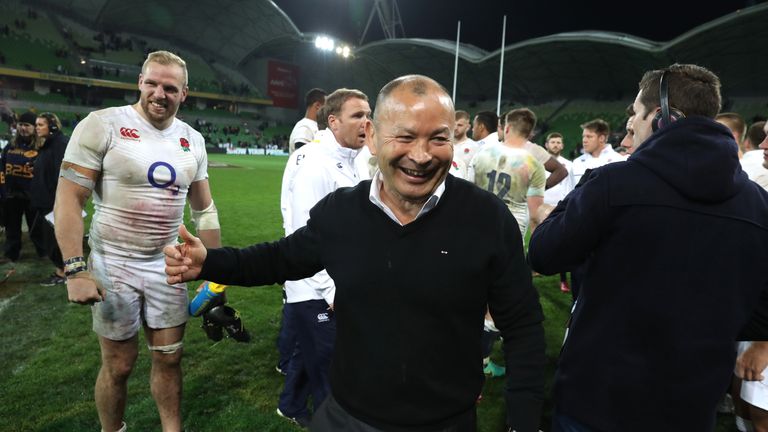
[210, 292]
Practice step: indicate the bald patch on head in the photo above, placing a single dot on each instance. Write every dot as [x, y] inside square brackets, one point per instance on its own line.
[418, 85]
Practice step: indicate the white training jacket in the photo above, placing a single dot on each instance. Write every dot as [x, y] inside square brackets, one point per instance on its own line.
[322, 167]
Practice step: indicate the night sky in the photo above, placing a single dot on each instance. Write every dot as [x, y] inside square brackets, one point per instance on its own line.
[481, 20]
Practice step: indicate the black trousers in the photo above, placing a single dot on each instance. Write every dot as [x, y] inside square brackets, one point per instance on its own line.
[331, 417]
[14, 209]
[51, 246]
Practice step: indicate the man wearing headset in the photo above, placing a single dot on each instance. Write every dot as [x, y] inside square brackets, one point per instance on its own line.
[668, 240]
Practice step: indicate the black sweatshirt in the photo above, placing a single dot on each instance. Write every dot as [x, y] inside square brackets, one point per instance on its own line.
[18, 162]
[673, 243]
[47, 167]
[410, 302]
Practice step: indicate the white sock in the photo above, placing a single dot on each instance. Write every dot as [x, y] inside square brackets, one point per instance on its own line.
[744, 425]
[490, 326]
[123, 428]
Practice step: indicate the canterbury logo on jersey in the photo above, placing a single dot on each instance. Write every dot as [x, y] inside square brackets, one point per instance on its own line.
[129, 133]
[322, 317]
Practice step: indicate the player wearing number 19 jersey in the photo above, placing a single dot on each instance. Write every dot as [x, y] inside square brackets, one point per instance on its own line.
[509, 171]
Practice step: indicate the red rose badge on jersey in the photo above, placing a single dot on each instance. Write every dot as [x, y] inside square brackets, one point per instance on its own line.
[184, 144]
[466, 150]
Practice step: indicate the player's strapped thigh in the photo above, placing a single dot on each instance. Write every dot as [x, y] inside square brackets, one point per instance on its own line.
[165, 341]
[166, 349]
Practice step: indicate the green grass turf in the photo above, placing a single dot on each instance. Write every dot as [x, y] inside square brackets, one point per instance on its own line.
[49, 357]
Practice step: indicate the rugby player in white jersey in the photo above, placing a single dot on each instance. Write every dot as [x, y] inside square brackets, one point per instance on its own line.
[304, 131]
[464, 147]
[142, 165]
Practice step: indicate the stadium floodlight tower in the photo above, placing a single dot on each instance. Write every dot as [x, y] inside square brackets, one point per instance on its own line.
[389, 18]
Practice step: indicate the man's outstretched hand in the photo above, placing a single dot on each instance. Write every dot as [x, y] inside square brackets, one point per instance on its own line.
[183, 262]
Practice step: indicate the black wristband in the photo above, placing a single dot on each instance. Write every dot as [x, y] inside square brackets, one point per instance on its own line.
[68, 273]
[74, 259]
[75, 265]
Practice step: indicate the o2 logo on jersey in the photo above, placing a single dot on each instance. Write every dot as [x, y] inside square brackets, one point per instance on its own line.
[162, 175]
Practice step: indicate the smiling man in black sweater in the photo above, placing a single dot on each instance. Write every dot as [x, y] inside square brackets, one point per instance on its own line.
[411, 288]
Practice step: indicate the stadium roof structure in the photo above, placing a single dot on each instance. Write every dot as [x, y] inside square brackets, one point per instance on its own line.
[223, 29]
[587, 64]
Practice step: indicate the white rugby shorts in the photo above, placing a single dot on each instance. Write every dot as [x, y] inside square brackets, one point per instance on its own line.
[136, 294]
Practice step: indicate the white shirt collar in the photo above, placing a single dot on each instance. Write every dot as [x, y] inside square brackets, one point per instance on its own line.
[491, 138]
[327, 137]
[375, 196]
[753, 154]
[607, 150]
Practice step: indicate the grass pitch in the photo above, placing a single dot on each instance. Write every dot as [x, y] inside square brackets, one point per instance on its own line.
[49, 357]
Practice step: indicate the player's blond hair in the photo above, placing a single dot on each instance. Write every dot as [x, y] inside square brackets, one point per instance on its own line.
[165, 58]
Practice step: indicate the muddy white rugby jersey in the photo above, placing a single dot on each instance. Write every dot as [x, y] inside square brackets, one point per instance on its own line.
[512, 174]
[145, 176]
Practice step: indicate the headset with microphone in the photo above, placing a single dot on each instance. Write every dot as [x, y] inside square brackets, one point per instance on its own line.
[667, 115]
[53, 122]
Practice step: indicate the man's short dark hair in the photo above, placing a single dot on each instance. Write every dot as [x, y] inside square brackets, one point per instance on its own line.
[693, 89]
[521, 121]
[488, 119]
[462, 115]
[598, 126]
[322, 118]
[314, 95]
[756, 133]
[335, 100]
[554, 135]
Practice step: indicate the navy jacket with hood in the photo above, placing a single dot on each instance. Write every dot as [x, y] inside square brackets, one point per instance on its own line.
[674, 243]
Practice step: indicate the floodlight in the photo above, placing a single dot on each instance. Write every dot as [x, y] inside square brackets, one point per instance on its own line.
[324, 43]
